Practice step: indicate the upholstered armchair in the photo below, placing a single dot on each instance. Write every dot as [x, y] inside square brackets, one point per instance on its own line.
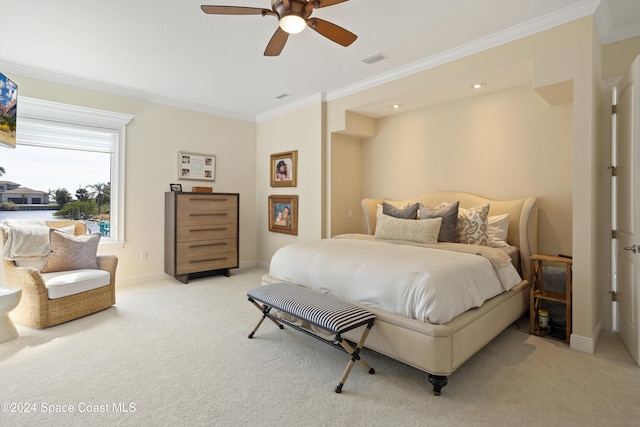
[54, 295]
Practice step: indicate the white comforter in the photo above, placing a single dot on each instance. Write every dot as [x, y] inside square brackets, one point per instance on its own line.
[428, 284]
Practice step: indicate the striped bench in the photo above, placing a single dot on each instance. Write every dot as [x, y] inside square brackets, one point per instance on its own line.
[324, 311]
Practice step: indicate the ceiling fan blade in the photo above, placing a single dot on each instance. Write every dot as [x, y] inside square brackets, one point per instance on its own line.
[325, 3]
[277, 42]
[332, 31]
[236, 10]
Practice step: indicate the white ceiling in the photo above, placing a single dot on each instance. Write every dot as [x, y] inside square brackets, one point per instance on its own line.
[170, 52]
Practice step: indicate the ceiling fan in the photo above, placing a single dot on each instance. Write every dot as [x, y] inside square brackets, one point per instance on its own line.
[293, 16]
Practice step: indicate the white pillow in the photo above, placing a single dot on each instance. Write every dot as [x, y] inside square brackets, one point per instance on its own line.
[69, 229]
[423, 231]
[498, 228]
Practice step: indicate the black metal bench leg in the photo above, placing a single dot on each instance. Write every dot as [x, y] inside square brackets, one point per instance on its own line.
[355, 355]
[265, 309]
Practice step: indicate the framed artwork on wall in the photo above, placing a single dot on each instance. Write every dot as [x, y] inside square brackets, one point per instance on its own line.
[196, 166]
[8, 111]
[284, 169]
[283, 214]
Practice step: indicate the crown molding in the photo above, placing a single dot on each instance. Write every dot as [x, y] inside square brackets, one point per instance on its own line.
[118, 91]
[568, 14]
[292, 106]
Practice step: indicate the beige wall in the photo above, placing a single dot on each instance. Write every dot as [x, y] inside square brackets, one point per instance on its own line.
[617, 57]
[504, 145]
[154, 137]
[298, 130]
[346, 184]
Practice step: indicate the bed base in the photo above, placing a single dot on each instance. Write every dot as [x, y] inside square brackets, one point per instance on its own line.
[439, 350]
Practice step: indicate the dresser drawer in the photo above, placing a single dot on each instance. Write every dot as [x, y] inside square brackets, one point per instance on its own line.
[204, 203]
[207, 217]
[203, 263]
[190, 233]
[205, 248]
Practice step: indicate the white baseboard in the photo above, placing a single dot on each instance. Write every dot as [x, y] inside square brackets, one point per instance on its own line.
[154, 277]
[585, 344]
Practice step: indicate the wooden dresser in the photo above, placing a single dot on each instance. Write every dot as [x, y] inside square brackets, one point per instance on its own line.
[201, 234]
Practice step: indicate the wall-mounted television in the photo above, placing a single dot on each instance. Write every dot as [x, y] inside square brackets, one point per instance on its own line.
[8, 111]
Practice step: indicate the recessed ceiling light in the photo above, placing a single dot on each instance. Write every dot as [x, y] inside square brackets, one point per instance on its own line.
[478, 85]
[396, 106]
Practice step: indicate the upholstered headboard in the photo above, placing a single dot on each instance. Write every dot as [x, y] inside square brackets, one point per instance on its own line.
[523, 217]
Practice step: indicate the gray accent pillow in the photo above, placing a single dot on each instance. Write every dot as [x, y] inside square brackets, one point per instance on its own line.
[69, 252]
[449, 215]
[407, 212]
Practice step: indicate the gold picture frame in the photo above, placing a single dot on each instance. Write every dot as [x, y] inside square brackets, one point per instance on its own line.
[283, 214]
[284, 169]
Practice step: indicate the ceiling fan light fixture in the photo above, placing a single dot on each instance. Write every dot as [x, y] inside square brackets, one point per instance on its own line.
[292, 24]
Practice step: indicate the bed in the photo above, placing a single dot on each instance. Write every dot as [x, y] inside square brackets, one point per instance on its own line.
[437, 344]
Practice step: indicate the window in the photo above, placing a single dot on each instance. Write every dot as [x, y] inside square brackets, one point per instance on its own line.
[64, 138]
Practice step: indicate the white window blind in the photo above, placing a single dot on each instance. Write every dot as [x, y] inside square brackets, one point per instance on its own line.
[46, 133]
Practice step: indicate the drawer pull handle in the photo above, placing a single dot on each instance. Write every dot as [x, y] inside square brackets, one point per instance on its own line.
[204, 245]
[209, 214]
[208, 199]
[209, 229]
[207, 260]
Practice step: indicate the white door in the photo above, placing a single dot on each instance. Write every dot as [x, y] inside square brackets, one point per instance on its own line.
[628, 209]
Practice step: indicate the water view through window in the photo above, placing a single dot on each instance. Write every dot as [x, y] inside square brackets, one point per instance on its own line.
[33, 177]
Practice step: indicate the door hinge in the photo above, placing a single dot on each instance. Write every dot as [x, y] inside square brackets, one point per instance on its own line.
[614, 170]
[613, 234]
[614, 296]
[614, 109]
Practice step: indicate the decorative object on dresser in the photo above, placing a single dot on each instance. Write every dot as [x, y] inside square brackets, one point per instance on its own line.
[196, 189]
[201, 234]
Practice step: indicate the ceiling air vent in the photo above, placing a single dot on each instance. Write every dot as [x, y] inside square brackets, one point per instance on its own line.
[375, 58]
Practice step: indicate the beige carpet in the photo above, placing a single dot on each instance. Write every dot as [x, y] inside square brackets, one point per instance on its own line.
[175, 354]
